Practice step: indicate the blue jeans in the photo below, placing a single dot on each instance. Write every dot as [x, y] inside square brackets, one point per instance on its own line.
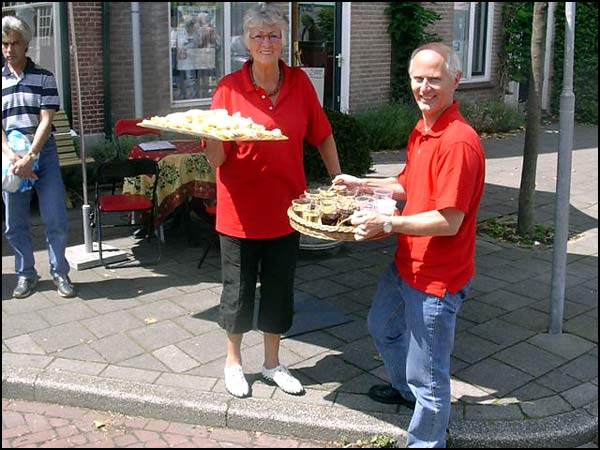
[53, 209]
[414, 333]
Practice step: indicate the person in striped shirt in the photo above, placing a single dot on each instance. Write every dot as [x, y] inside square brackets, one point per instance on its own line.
[29, 102]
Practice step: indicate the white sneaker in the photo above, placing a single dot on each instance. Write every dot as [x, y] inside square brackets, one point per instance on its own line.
[284, 379]
[235, 381]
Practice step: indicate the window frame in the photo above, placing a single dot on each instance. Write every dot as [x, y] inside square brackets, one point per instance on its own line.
[57, 38]
[226, 50]
[467, 76]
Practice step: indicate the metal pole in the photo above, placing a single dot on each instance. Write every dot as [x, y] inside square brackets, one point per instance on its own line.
[137, 59]
[85, 208]
[563, 182]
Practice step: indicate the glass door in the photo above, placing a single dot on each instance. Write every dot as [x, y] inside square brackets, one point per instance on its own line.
[319, 48]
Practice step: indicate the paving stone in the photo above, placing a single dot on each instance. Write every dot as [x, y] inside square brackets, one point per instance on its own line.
[530, 359]
[565, 345]
[117, 348]
[24, 344]
[157, 335]
[500, 332]
[486, 412]
[581, 395]
[19, 324]
[175, 359]
[61, 337]
[112, 323]
[494, 377]
[544, 407]
[471, 348]
[71, 365]
[584, 367]
[506, 300]
[584, 326]
[145, 362]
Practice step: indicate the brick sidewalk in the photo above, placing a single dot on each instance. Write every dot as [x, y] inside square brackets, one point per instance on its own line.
[144, 341]
[30, 424]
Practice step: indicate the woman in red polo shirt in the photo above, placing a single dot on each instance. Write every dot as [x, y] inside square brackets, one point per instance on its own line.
[256, 182]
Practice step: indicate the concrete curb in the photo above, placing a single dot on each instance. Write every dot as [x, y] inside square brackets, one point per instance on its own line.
[272, 416]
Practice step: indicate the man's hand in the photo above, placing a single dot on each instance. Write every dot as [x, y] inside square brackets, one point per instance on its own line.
[367, 224]
[23, 167]
[349, 181]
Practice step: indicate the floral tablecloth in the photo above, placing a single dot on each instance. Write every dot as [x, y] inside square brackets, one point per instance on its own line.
[184, 173]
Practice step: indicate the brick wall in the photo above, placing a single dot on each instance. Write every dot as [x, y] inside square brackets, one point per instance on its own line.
[155, 60]
[88, 29]
[370, 59]
[444, 29]
[370, 64]
[121, 62]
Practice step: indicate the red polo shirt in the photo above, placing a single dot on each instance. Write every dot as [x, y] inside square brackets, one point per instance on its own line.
[445, 168]
[258, 181]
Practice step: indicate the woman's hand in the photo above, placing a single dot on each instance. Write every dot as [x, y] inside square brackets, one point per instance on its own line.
[367, 224]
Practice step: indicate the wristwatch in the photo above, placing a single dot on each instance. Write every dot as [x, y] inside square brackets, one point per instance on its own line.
[387, 225]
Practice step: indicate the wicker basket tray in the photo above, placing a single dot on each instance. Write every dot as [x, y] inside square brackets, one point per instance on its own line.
[329, 232]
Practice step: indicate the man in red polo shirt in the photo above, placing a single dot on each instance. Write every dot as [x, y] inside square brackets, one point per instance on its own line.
[413, 315]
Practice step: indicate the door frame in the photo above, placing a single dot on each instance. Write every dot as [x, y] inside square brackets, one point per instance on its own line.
[345, 33]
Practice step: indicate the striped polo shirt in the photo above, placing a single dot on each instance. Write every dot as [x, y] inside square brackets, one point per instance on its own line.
[23, 98]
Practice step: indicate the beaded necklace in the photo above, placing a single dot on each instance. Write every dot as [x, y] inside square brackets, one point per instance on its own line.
[277, 88]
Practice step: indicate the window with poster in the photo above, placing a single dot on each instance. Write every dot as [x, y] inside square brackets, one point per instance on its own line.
[203, 49]
[44, 48]
[472, 38]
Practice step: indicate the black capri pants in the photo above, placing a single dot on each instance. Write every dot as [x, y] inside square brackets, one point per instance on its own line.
[243, 261]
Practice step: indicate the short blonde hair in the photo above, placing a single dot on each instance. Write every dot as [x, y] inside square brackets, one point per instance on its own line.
[262, 14]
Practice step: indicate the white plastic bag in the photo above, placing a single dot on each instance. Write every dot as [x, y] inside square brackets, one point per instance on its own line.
[10, 181]
[19, 143]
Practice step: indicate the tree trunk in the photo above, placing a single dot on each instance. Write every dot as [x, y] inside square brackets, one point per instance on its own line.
[526, 219]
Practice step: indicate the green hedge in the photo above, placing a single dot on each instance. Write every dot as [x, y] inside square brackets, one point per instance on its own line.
[491, 116]
[585, 70]
[352, 146]
[388, 126]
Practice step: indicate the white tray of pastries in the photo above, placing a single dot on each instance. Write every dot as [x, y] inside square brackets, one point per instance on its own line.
[215, 124]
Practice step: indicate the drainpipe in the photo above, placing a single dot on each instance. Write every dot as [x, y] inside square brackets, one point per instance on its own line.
[65, 63]
[106, 69]
[137, 59]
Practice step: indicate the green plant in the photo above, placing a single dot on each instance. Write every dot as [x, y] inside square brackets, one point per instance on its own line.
[585, 67]
[381, 441]
[351, 142]
[515, 54]
[504, 229]
[408, 21]
[491, 116]
[515, 51]
[378, 441]
[388, 126]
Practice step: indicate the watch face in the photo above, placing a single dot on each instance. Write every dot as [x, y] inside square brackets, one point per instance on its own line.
[387, 227]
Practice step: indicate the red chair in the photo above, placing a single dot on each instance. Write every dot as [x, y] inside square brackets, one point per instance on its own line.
[114, 172]
[129, 127]
[210, 215]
